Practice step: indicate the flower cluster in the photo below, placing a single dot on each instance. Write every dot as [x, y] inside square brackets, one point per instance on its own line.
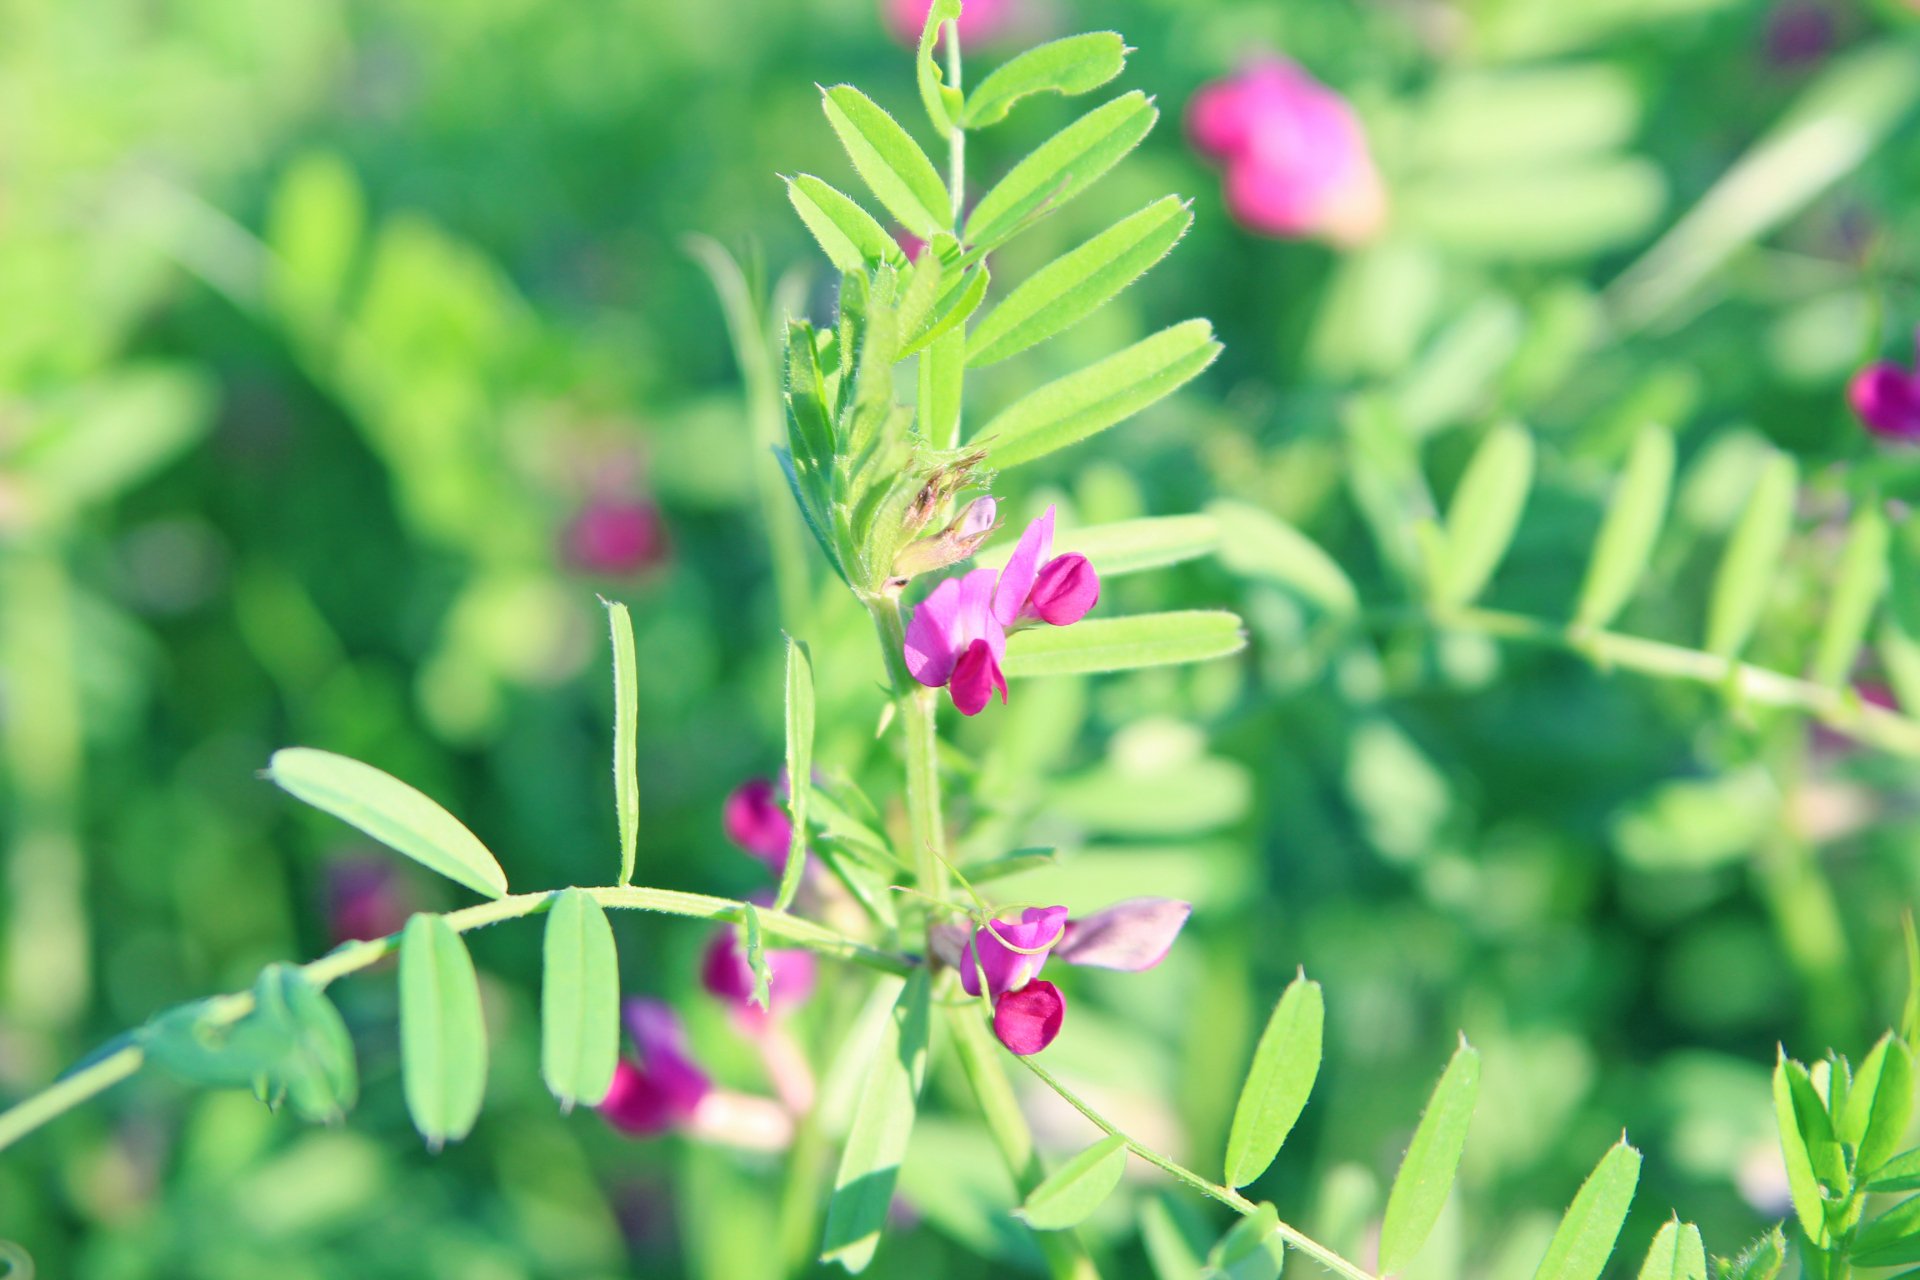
[1887, 399]
[1295, 157]
[1008, 955]
[957, 637]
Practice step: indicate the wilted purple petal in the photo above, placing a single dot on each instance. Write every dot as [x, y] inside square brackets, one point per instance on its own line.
[754, 819]
[1066, 588]
[1887, 398]
[1027, 1020]
[1007, 969]
[1016, 579]
[1131, 935]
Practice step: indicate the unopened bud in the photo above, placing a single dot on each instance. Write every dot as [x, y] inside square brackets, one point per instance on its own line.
[952, 544]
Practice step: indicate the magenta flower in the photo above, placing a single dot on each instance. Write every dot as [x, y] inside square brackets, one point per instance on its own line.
[1296, 159]
[724, 972]
[958, 634]
[1887, 398]
[366, 898]
[980, 20]
[755, 820]
[1027, 1011]
[662, 1087]
[616, 537]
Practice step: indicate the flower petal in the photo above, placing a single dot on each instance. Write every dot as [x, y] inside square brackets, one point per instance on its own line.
[1131, 935]
[755, 820]
[1016, 580]
[1027, 1020]
[1007, 969]
[664, 1056]
[975, 677]
[1887, 398]
[1066, 588]
[933, 642]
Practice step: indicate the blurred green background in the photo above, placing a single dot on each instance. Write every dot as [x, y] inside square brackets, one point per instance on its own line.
[323, 325]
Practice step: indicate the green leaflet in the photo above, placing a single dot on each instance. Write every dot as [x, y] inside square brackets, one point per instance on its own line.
[1071, 1193]
[391, 812]
[890, 162]
[1484, 513]
[1899, 1174]
[882, 1123]
[1075, 285]
[579, 1001]
[626, 735]
[1677, 1253]
[1857, 589]
[1878, 1105]
[316, 226]
[941, 100]
[1285, 1065]
[1806, 1143]
[799, 764]
[1752, 560]
[1068, 410]
[852, 238]
[1426, 1175]
[1761, 1260]
[1126, 546]
[943, 366]
[1074, 65]
[1634, 517]
[1584, 1240]
[1259, 544]
[1122, 644]
[291, 1046]
[1891, 1240]
[756, 949]
[443, 1039]
[1060, 168]
[1250, 1250]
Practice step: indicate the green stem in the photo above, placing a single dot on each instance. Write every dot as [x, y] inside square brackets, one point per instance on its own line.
[1838, 709]
[956, 136]
[916, 706]
[1294, 1237]
[98, 1076]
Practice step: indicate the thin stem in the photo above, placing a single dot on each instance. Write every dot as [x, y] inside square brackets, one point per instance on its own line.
[96, 1077]
[1298, 1239]
[956, 136]
[916, 706]
[1838, 709]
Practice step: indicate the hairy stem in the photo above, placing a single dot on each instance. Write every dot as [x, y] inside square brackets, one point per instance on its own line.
[915, 705]
[956, 136]
[1294, 1237]
[108, 1070]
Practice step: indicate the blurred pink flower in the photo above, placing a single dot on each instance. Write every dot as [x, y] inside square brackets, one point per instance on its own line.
[755, 820]
[1887, 399]
[662, 1087]
[1295, 156]
[1799, 33]
[724, 972]
[980, 20]
[365, 899]
[616, 537]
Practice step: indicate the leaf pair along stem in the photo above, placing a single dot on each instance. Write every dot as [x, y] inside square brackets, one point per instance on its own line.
[109, 1067]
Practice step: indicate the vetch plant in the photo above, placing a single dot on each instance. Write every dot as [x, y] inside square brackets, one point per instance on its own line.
[892, 479]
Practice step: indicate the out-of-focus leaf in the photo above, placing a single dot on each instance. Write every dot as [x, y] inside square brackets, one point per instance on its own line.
[1538, 214]
[1071, 1193]
[579, 1001]
[1126, 546]
[1421, 1187]
[1068, 410]
[1076, 64]
[1060, 169]
[110, 434]
[1484, 514]
[626, 735]
[316, 223]
[1856, 593]
[1533, 116]
[852, 238]
[1260, 544]
[1584, 1240]
[891, 163]
[799, 764]
[1752, 562]
[1761, 1260]
[1285, 1065]
[391, 812]
[443, 1039]
[1677, 1253]
[1634, 517]
[1250, 1250]
[1173, 1246]
[292, 1046]
[1121, 644]
[1075, 285]
[882, 1123]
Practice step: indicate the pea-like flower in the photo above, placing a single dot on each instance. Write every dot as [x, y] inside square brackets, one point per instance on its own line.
[724, 972]
[1296, 158]
[661, 1089]
[756, 821]
[1009, 955]
[616, 537]
[958, 635]
[1887, 399]
[980, 20]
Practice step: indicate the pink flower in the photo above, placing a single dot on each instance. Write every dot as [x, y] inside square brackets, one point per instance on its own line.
[662, 1087]
[1028, 1012]
[1887, 398]
[980, 20]
[365, 899]
[616, 537]
[1295, 156]
[958, 634]
[724, 972]
[755, 820]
